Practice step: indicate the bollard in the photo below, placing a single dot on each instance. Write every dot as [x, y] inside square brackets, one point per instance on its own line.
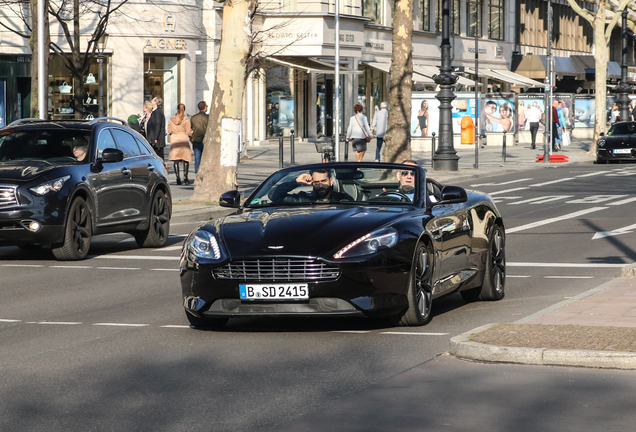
[346, 149]
[503, 148]
[432, 148]
[280, 152]
[291, 148]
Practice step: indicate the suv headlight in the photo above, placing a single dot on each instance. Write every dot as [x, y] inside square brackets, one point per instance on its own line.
[369, 243]
[50, 186]
[204, 244]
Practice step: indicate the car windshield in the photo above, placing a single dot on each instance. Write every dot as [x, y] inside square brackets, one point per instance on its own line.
[344, 185]
[49, 145]
[622, 129]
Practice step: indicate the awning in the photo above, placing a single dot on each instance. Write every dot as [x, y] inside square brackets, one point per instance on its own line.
[506, 76]
[309, 65]
[430, 71]
[385, 67]
[613, 70]
[589, 65]
[534, 66]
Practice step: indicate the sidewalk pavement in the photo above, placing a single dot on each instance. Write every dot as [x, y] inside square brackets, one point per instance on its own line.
[594, 329]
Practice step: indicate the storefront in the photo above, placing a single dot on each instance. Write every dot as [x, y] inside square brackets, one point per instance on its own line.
[15, 87]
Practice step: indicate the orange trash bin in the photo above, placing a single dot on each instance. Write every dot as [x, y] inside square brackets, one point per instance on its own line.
[468, 130]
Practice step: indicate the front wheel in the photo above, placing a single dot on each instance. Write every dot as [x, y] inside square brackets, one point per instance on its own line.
[420, 292]
[77, 233]
[495, 274]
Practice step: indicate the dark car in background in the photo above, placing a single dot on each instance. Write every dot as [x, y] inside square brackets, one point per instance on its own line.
[344, 239]
[618, 145]
[49, 197]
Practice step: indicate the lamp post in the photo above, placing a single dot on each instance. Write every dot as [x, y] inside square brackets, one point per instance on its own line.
[624, 88]
[101, 46]
[445, 158]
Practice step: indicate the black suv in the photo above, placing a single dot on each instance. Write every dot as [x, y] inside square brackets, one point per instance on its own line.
[61, 182]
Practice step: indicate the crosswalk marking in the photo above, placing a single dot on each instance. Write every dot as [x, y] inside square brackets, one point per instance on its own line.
[552, 220]
[542, 199]
[552, 182]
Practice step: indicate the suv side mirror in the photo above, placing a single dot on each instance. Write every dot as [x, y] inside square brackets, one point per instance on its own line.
[111, 155]
[602, 134]
[453, 195]
[231, 199]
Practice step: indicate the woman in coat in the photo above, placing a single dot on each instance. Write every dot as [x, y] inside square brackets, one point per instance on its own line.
[359, 130]
[180, 130]
[143, 120]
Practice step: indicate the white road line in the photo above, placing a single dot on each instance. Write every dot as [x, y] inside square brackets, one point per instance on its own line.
[121, 325]
[58, 322]
[501, 184]
[187, 223]
[507, 190]
[568, 277]
[71, 266]
[564, 265]
[118, 268]
[591, 174]
[552, 220]
[621, 202]
[552, 182]
[542, 199]
[22, 265]
[516, 276]
[10, 320]
[170, 269]
[351, 331]
[413, 333]
[615, 232]
[175, 326]
[168, 248]
[138, 257]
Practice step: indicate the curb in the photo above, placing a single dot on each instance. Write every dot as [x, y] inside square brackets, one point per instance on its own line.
[462, 347]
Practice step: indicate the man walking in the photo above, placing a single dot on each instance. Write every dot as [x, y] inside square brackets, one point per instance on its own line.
[156, 127]
[378, 125]
[199, 124]
[555, 125]
[533, 116]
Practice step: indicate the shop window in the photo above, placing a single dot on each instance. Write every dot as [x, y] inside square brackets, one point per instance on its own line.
[373, 9]
[454, 16]
[161, 79]
[425, 15]
[473, 21]
[496, 19]
[280, 101]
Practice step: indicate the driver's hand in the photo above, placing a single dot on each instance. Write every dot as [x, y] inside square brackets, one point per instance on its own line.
[304, 179]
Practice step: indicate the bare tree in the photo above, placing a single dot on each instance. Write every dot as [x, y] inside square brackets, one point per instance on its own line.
[603, 22]
[398, 134]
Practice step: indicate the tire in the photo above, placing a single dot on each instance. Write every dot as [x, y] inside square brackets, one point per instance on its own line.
[420, 292]
[495, 273]
[77, 233]
[156, 235]
[214, 323]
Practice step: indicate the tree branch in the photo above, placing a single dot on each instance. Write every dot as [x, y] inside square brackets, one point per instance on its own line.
[589, 17]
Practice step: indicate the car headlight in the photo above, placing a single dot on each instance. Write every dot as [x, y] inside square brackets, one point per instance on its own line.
[50, 186]
[369, 243]
[601, 142]
[203, 244]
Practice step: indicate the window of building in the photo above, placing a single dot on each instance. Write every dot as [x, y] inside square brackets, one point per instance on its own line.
[473, 20]
[289, 5]
[373, 9]
[496, 19]
[425, 15]
[454, 16]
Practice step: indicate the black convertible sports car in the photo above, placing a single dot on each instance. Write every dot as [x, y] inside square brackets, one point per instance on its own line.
[344, 239]
[618, 145]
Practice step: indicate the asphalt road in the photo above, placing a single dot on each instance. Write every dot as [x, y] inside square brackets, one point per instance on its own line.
[104, 345]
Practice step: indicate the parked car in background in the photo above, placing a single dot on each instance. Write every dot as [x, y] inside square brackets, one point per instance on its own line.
[61, 182]
[344, 239]
[618, 145]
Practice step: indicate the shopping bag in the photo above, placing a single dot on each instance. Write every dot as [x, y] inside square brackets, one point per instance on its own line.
[565, 140]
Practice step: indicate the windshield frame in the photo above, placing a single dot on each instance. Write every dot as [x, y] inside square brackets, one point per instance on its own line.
[32, 138]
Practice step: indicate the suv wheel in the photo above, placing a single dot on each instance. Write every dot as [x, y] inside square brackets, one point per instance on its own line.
[77, 234]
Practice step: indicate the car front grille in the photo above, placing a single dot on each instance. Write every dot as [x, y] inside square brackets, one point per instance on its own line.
[8, 196]
[278, 269]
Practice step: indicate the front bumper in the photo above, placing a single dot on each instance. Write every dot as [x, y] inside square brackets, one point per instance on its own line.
[48, 212]
[603, 154]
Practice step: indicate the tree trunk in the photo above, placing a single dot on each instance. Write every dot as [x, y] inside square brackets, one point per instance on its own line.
[398, 135]
[34, 57]
[600, 77]
[217, 172]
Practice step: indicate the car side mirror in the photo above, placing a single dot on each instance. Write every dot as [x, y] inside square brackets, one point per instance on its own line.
[602, 134]
[453, 195]
[111, 155]
[231, 199]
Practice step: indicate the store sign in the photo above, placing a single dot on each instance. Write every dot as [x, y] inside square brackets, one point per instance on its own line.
[169, 22]
[481, 50]
[347, 38]
[166, 43]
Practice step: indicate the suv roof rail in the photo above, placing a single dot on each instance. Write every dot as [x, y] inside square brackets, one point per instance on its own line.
[26, 120]
[105, 119]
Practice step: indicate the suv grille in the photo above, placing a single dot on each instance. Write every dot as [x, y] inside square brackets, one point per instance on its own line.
[8, 196]
[278, 269]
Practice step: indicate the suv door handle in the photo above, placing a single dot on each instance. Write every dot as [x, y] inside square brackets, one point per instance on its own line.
[125, 171]
[150, 167]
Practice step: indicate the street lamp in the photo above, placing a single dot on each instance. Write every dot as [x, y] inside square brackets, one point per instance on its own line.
[101, 46]
[624, 88]
[445, 158]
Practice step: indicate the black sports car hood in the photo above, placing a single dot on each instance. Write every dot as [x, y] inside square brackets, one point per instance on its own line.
[22, 170]
[305, 231]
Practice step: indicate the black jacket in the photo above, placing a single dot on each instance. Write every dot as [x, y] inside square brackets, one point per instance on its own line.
[281, 194]
[157, 129]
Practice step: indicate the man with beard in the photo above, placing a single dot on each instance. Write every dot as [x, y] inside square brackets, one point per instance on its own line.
[319, 179]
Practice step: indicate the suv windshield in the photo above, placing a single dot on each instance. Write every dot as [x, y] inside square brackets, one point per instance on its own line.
[49, 145]
[339, 185]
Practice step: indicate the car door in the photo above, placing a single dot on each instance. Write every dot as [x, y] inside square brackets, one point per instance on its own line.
[137, 164]
[113, 188]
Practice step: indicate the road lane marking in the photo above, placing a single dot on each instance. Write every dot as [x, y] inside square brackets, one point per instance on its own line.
[169, 248]
[618, 231]
[10, 320]
[552, 182]
[175, 326]
[508, 190]
[121, 325]
[501, 184]
[542, 199]
[137, 257]
[568, 277]
[351, 331]
[71, 266]
[594, 199]
[22, 265]
[553, 220]
[58, 322]
[517, 276]
[168, 269]
[118, 268]
[621, 202]
[564, 265]
[413, 333]
[591, 174]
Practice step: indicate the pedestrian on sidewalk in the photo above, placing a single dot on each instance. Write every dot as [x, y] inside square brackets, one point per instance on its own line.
[199, 126]
[378, 126]
[561, 129]
[533, 117]
[143, 120]
[360, 132]
[180, 153]
[555, 125]
[156, 127]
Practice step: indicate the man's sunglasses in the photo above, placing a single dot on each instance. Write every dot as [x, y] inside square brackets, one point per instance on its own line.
[407, 172]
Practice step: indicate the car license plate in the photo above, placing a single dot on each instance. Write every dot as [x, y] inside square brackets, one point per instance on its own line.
[274, 291]
[622, 151]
